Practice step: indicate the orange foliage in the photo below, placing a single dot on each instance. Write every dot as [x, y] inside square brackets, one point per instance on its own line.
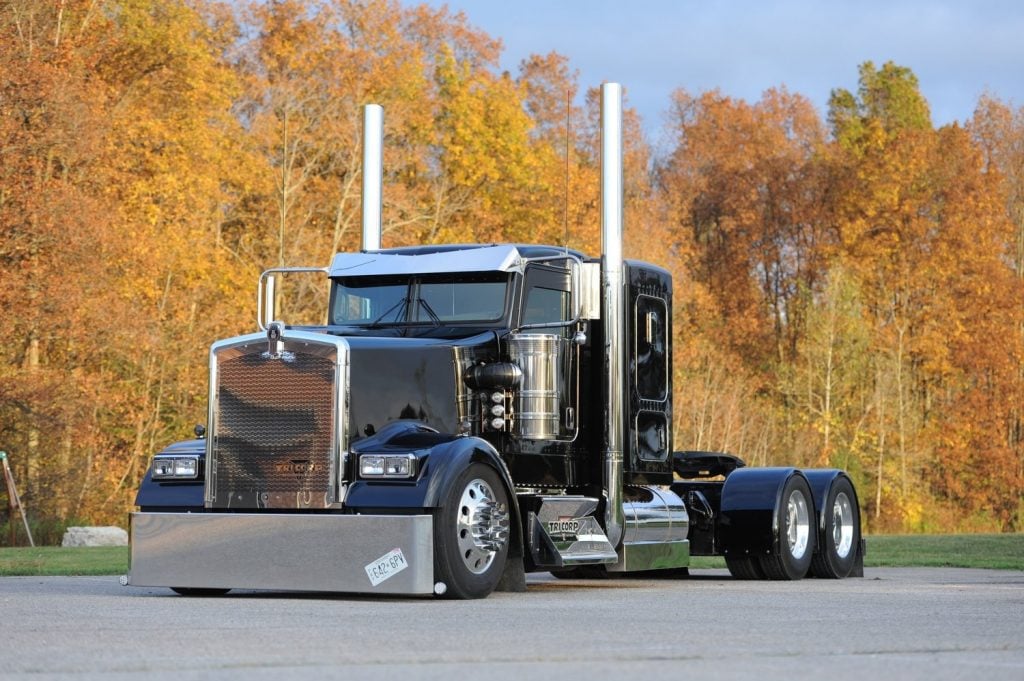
[852, 299]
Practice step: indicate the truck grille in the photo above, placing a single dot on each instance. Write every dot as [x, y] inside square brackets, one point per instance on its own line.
[274, 424]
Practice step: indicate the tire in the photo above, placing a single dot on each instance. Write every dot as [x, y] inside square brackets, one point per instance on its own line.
[838, 545]
[795, 520]
[471, 534]
[192, 591]
[746, 567]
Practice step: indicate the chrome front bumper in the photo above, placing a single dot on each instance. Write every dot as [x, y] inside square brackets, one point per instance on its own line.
[308, 552]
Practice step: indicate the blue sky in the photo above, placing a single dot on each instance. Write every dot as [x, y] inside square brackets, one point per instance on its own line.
[958, 50]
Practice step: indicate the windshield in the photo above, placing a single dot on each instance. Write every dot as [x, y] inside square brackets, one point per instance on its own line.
[372, 301]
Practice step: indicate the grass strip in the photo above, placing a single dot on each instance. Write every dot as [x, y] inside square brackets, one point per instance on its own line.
[992, 551]
[61, 561]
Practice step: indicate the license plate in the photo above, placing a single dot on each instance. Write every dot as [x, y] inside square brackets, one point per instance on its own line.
[387, 566]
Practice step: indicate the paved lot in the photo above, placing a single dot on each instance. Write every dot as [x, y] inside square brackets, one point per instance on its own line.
[896, 623]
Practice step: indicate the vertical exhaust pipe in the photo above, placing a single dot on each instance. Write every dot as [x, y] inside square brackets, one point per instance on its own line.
[373, 174]
[613, 306]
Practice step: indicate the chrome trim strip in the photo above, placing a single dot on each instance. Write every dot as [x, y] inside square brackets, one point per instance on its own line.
[373, 175]
[613, 305]
[303, 552]
[652, 556]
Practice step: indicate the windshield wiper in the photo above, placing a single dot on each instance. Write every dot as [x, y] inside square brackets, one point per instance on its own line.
[400, 306]
[430, 311]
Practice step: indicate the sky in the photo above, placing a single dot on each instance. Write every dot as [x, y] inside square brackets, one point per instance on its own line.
[957, 49]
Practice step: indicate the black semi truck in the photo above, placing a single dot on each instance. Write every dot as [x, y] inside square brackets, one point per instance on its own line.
[468, 414]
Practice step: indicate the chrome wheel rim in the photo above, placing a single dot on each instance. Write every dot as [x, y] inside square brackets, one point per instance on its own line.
[842, 525]
[798, 525]
[481, 526]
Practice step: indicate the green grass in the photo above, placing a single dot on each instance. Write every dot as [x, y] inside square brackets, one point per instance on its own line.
[996, 551]
[57, 560]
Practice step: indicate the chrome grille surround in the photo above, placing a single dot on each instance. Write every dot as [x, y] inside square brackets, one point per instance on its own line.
[277, 435]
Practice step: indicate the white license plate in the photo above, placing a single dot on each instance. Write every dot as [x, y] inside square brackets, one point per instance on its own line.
[387, 566]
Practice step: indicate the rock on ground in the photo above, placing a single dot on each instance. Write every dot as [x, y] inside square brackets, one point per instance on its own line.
[95, 536]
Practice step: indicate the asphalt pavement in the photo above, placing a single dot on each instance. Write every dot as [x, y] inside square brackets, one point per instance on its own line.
[896, 623]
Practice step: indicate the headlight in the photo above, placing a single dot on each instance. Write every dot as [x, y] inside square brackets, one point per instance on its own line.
[176, 467]
[371, 466]
[382, 466]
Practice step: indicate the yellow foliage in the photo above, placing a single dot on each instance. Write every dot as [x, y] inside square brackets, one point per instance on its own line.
[853, 300]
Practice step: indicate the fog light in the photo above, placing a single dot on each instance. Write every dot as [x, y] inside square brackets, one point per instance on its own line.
[371, 466]
[498, 423]
[498, 410]
[498, 397]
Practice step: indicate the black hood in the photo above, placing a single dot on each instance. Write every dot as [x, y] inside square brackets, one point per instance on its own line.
[416, 379]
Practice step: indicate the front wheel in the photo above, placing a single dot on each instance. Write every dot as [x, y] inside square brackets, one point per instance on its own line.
[796, 533]
[841, 533]
[471, 534]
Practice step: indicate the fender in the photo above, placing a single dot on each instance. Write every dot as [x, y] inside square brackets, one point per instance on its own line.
[441, 458]
[173, 496]
[750, 499]
[441, 462]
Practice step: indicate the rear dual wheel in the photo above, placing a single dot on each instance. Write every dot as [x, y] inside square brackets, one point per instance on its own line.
[746, 567]
[796, 538]
[841, 532]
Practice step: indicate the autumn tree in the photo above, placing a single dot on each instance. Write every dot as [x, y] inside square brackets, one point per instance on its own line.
[120, 134]
[918, 223]
[998, 129]
[743, 179]
[51, 215]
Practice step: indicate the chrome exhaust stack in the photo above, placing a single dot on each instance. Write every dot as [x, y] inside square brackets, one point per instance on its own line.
[373, 175]
[613, 306]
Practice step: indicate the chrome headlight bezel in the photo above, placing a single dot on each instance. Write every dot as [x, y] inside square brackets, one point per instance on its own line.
[388, 466]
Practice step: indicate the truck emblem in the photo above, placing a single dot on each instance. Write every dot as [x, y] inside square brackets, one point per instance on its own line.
[298, 467]
[564, 529]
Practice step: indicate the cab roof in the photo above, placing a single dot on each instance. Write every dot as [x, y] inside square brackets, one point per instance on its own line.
[441, 259]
